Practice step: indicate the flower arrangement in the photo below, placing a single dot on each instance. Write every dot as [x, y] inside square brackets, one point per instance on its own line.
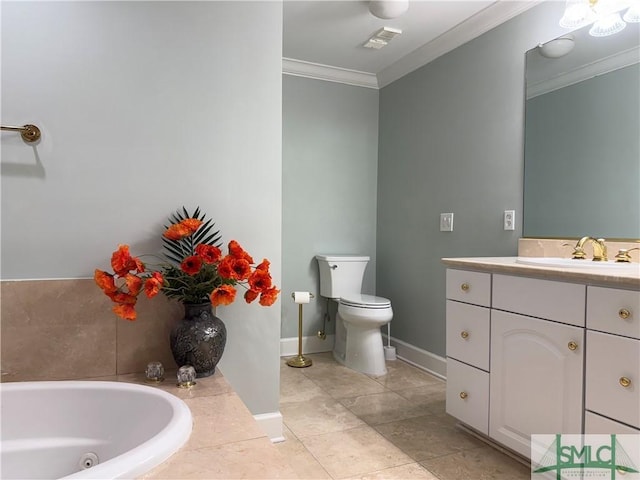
[193, 270]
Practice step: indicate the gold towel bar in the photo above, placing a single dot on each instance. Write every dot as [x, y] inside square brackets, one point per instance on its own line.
[30, 133]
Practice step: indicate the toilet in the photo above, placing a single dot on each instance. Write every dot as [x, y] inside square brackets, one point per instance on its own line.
[358, 341]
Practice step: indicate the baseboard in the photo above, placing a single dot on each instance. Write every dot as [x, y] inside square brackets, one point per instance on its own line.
[271, 424]
[427, 361]
[311, 344]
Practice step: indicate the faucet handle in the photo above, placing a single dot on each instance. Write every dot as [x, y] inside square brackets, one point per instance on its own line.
[578, 251]
[623, 255]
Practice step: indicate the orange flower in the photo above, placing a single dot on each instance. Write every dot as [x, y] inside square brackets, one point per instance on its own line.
[223, 295]
[208, 253]
[225, 268]
[122, 261]
[264, 265]
[121, 297]
[251, 295]
[192, 224]
[134, 283]
[191, 265]
[153, 284]
[126, 311]
[182, 229]
[260, 280]
[105, 281]
[268, 297]
[236, 251]
[176, 231]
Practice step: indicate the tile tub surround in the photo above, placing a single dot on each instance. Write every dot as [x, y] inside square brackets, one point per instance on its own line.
[342, 424]
[65, 329]
[225, 443]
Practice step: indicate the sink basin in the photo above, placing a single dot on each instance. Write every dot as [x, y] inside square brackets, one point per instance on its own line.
[571, 263]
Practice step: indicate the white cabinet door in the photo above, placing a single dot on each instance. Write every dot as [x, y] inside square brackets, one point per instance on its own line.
[536, 379]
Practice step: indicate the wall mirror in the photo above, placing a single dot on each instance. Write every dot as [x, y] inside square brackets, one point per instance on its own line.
[582, 138]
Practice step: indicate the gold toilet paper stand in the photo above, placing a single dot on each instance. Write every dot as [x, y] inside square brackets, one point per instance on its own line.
[300, 361]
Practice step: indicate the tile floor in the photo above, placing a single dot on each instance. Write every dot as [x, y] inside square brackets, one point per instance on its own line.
[341, 424]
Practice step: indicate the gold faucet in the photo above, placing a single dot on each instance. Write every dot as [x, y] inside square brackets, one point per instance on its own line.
[599, 249]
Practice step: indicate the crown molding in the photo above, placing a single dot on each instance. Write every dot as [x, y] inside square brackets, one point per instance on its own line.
[300, 68]
[492, 16]
[599, 67]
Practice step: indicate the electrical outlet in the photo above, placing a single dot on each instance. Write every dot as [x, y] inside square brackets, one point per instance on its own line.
[446, 222]
[509, 219]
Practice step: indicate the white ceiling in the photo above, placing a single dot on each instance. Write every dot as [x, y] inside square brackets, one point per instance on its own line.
[331, 33]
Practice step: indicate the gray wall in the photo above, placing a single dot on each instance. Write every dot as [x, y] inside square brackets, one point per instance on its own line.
[451, 140]
[143, 109]
[329, 163]
[582, 151]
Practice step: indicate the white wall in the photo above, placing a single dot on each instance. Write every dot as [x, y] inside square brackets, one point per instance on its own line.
[330, 170]
[145, 107]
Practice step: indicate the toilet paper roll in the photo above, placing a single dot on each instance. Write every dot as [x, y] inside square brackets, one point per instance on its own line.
[301, 297]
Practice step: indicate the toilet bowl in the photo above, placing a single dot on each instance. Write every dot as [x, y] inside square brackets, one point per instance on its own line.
[358, 341]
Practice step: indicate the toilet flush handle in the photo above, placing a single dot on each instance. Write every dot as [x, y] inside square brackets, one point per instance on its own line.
[333, 267]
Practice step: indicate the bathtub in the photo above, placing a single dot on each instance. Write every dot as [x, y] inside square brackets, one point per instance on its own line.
[96, 430]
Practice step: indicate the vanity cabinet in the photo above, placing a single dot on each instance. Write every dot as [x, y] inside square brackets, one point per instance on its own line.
[612, 394]
[468, 317]
[538, 356]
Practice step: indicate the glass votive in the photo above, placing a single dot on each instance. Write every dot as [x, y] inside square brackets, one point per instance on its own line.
[186, 376]
[154, 372]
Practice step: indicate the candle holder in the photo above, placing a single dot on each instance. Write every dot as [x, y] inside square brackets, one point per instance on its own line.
[186, 376]
[154, 372]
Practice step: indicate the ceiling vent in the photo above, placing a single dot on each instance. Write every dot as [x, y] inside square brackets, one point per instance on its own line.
[382, 37]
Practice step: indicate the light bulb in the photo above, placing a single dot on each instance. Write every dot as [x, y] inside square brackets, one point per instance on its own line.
[607, 26]
[633, 14]
[577, 13]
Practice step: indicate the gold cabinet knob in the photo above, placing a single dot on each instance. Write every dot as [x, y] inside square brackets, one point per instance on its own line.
[624, 313]
[572, 346]
[463, 395]
[464, 334]
[465, 287]
[625, 382]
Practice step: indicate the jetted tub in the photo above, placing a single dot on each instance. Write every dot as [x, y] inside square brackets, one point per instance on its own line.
[96, 430]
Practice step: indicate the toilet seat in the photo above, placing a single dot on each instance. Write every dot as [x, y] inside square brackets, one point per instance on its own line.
[359, 300]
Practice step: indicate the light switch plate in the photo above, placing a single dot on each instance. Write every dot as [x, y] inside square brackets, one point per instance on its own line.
[446, 222]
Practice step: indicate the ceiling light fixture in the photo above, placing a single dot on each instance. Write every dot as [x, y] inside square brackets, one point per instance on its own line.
[604, 14]
[382, 38]
[388, 8]
[557, 48]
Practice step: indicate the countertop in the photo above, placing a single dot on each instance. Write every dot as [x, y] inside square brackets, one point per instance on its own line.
[226, 442]
[624, 277]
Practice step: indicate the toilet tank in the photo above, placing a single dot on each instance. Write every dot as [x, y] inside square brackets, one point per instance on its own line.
[341, 274]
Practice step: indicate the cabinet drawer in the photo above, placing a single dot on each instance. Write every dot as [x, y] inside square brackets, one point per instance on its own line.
[614, 311]
[469, 287]
[597, 424]
[468, 395]
[559, 301]
[468, 333]
[611, 361]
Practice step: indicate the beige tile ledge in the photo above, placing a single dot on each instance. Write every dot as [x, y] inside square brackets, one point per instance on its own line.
[557, 247]
[613, 277]
[225, 443]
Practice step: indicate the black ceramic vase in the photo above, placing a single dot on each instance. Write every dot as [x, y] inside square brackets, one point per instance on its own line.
[198, 339]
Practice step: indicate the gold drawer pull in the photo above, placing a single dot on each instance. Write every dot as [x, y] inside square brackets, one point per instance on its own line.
[463, 395]
[623, 313]
[625, 382]
[464, 334]
[572, 346]
[465, 287]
